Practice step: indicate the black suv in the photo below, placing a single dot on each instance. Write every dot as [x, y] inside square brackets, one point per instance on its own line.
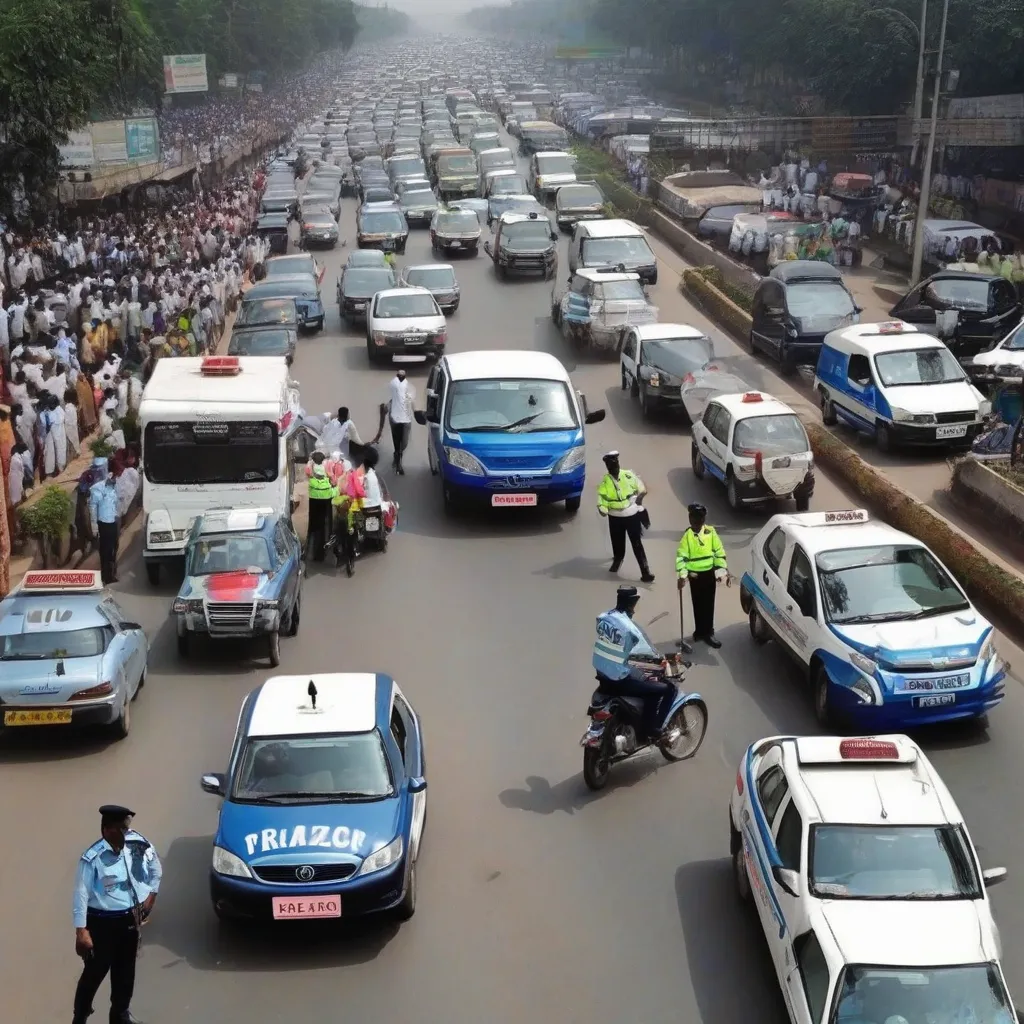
[524, 244]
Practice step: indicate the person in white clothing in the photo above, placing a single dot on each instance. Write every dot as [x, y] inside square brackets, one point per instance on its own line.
[70, 413]
[58, 434]
[339, 434]
[398, 409]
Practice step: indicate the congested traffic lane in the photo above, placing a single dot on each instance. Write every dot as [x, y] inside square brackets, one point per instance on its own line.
[537, 900]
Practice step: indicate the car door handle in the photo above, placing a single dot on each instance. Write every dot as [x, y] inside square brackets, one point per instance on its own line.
[764, 576]
[789, 607]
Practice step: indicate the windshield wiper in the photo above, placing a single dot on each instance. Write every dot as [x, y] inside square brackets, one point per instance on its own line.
[340, 794]
[877, 617]
[521, 423]
[925, 613]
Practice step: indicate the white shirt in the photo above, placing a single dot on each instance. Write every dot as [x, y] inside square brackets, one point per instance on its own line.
[402, 396]
[371, 485]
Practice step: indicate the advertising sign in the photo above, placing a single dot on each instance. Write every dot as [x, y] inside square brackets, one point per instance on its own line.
[229, 80]
[108, 142]
[142, 139]
[77, 151]
[186, 72]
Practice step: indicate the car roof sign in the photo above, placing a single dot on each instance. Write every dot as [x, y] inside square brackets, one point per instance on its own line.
[892, 327]
[835, 750]
[79, 581]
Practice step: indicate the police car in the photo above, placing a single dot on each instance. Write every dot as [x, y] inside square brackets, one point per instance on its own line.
[69, 655]
[886, 635]
[324, 801]
[756, 446]
[866, 883]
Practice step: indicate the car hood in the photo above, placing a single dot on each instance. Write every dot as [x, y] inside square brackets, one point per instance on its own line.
[240, 586]
[398, 325]
[37, 682]
[956, 636]
[308, 833]
[958, 396]
[557, 178]
[1000, 357]
[699, 388]
[496, 450]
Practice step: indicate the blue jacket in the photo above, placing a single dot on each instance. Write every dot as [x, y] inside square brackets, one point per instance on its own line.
[618, 639]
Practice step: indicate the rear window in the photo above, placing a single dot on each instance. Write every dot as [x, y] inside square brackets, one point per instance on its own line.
[397, 306]
[73, 643]
[258, 343]
[959, 293]
[458, 163]
[771, 435]
[382, 222]
[431, 277]
[578, 195]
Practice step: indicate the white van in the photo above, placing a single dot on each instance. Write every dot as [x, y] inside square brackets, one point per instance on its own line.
[613, 244]
[899, 384]
[216, 433]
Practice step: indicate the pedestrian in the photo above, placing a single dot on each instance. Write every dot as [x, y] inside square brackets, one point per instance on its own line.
[398, 409]
[115, 889]
[619, 497]
[701, 560]
[103, 511]
[340, 433]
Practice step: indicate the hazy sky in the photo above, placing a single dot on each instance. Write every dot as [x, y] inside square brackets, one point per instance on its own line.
[414, 7]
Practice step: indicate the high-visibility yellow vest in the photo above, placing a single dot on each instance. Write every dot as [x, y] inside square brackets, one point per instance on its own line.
[699, 551]
[614, 495]
[321, 489]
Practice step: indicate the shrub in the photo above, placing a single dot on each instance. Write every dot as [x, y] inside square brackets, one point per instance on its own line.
[50, 516]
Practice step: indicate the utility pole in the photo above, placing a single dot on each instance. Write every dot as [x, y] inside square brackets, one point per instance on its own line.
[926, 172]
[919, 88]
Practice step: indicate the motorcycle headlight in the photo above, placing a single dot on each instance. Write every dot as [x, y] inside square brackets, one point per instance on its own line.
[866, 665]
[461, 459]
[571, 459]
[226, 863]
[391, 854]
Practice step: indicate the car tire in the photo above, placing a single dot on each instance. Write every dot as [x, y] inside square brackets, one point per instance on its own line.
[371, 354]
[758, 629]
[572, 505]
[184, 645]
[320, 324]
[752, 344]
[625, 379]
[803, 502]
[697, 463]
[732, 495]
[822, 709]
[123, 724]
[447, 500]
[407, 907]
[142, 683]
[645, 402]
[293, 619]
[739, 866]
[274, 648]
[883, 438]
[746, 600]
[828, 410]
[153, 573]
[499, 271]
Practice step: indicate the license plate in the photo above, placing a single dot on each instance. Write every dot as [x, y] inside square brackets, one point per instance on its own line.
[414, 341]
[359, 307]
[409, 359]
[372, 524]
[782, 463]
[456, 245]
[514, 499]
[954, 430]
[957, 682]
[291, 908]
[937, 700]
[44, 716]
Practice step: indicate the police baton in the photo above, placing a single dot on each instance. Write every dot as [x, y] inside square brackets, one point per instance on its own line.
[681, 642]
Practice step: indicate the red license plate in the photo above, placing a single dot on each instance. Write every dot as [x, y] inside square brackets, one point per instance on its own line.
[293, 908]
[514, 499]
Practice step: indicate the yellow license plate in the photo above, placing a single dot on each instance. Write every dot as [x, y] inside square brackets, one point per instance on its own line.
[45, 716]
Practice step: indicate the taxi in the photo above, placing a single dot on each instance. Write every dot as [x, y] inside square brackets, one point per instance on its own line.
[866, 883]
[886, 635]
[756, 446]
[324, 801]
[70, 655]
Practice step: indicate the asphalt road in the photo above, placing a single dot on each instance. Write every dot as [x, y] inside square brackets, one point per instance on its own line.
[537, 900]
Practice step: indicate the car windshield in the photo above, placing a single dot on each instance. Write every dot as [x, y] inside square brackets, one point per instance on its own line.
[348, 766]
[511, 406]
[782, 434]
[958, 293]
[818, 298]
[555, 165]
[892, 862]
[578, 195]
[406, 166]
[887, 583]
[266, 311]
[509, 185]
[678, 356]
[233, 552]
[527, 233]
[286, 265]
[458, 220]
[458, 164]
[411, 199]
[626, 249]
[918, 366]
[72, 643]
[381, 223]
[973, 993]
[439, 278]
[631, 290]
[259, 343]
[367, 280]
[391, 306]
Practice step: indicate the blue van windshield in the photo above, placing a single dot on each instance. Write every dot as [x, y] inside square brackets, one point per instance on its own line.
[511, 406]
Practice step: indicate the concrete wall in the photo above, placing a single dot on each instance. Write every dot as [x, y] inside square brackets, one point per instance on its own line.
[974, 481]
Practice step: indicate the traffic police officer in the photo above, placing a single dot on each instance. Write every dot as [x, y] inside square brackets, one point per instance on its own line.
[115, 889]
[322, 493]
[619, 496]
[701, 559]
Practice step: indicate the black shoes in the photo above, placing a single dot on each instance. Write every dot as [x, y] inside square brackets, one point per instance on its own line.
[615, 566]
[647, 576]
[711, 640]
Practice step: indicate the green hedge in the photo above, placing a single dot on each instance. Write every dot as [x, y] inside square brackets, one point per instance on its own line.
[695, 284]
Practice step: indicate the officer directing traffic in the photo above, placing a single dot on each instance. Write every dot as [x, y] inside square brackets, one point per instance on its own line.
[701, 560]
[115, 889]
[619, 497]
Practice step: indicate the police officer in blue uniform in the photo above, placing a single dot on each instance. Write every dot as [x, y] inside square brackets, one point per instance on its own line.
[628, 664]
[115, 888]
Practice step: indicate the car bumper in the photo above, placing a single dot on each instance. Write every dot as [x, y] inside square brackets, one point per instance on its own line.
[526, 266]
[352, 311]
[396, 347]
[758, 490]
[165, 553]
[476, 490]
[385, 245]
[320, 241]
[903, 434]
[457, 244]
[261, 624]
[248, 898]
[419, 220]
[84, 714]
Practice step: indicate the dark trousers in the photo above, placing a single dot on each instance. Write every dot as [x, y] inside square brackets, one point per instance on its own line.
[621, 527]
[115, 949]
[702, 592]
[657, 695]
[400, 439]
[109, 538]
[318, 530]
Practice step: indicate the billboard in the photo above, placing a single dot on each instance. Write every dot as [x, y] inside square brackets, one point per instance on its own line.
[109, 143]
[78, 150]
[186, 72]
[229, 80]
[142, 139]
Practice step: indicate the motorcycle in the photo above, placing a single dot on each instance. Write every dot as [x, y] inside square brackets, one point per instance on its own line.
[616, 728]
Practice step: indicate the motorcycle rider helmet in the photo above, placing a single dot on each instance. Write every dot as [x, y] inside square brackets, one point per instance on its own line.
[626, 598]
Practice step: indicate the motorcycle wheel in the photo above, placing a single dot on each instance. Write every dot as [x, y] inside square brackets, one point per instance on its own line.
[692, 722]
[596, 768]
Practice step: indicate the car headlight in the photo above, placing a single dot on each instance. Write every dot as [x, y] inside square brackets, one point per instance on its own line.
[226, 863]
[391, 854]
[571, 459]
[864, 691]
[866, 665]
[1009, 370]
[461, 459]
[988, 649]
[182, 606]
[161, 537]
[266, 606]
[903, 416]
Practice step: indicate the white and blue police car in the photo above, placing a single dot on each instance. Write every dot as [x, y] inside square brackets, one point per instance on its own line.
[886, 635]
[866, 883]
[324, 801]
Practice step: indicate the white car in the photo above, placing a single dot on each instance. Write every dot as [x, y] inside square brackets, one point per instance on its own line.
[756, 446]
[1003, 364]
[405, 325]
[655, 359]
[880, 626]
[866, 883]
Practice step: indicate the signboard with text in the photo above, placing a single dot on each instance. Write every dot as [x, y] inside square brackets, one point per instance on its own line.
[77, 151]
[185, 72]
[108, 142]
[142, 139]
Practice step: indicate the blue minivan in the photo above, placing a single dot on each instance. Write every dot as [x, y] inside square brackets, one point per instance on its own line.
[506, 429]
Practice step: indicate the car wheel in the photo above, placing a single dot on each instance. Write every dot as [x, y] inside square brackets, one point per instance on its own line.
[732, 495]
[696, 462]
[293, 619]
[828, 410]
[752, 344]
[803, 502]
[625, 380]
[184, 645]
[407, 907]
[274, 648]
[572, 505]
[645, 403]
[883, 439]
[739, 865]
[320, 324]
[758, 630]
[371, 353]
[448, 500]
[499, 271]
[153, 573]
[822, 704]
[123, 725]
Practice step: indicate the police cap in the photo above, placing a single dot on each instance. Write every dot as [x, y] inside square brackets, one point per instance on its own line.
[697, 509]
[610, 456]
[115, 812]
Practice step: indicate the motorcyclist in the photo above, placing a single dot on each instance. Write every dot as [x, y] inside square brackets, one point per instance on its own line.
[628, 664]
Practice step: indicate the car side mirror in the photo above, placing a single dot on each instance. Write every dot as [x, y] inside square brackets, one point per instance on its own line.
[993, 876]
[215, 783]
[554, 236]
[788, 881]
[595, 417]
[417, 785]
